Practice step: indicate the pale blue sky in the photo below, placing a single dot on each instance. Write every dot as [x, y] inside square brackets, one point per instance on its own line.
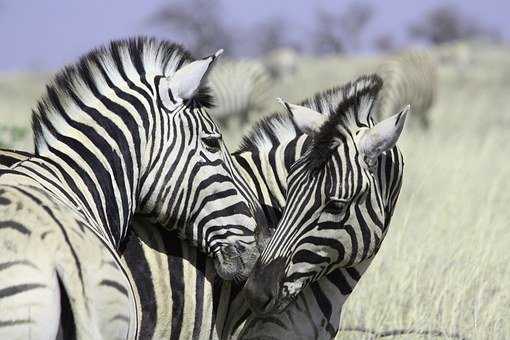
[45, 34]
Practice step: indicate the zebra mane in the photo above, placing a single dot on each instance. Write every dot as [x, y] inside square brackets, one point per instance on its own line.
[344, 105]
[144, 57]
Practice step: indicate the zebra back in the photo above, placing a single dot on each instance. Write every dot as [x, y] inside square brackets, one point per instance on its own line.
[409, 78]
[10, 157]
[240, 89]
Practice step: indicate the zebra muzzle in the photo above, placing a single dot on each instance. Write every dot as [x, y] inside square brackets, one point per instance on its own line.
[262, 290]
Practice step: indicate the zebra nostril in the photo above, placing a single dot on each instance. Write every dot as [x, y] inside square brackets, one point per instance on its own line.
[258, 296]
[240, 247]
[263, 286]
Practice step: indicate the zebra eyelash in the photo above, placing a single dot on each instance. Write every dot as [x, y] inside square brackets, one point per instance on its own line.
[212, 142]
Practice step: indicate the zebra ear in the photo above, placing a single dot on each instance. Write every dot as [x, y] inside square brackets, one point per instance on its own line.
[187, 80]
[384, 135]
[306, 119]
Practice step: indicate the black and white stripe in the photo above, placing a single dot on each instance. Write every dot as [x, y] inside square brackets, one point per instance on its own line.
[124, 130]
[240, 88]
[206, 307]
[409, 78]
[339, 199]
[202, 306]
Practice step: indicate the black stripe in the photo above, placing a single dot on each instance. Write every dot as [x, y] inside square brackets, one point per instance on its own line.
[337, 278]
[322, 300]
[115, 285]
[15, 322]
[200, 272]
[16, 226]
[142, 274]
[6, 265]
[67, 329]
[177, 285]
[14, 290]
[366, 234]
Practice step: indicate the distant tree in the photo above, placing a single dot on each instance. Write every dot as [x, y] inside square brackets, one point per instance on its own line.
[328, 38]
[271, 35]
[198, 22]
[354, 21]
[385, 43]
[446, 24]
[339, 32]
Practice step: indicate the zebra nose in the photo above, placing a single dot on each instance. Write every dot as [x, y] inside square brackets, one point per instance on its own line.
[262, 287]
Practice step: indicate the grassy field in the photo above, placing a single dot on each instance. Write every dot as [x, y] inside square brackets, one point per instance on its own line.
[444, 266]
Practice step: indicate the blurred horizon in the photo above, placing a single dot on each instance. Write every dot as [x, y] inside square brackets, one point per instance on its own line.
[45, 35]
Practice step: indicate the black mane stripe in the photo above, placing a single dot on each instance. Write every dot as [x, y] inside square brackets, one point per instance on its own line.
[340, 104]
[149, 57]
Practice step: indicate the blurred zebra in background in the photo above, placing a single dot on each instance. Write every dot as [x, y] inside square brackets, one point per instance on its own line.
[125, 130]
[240, 89]
[409, 78]
[281, 63]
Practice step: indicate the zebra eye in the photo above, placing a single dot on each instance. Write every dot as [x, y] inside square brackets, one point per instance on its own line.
[336, 205]
[371, 163]
[212, 142]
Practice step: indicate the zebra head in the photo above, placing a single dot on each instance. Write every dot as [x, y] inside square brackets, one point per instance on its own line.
[128, 124]
[192, 184]
[336, 211]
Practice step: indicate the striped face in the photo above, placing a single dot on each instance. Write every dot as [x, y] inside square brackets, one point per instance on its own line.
[192, 184]
[128, 127]
[335, 215]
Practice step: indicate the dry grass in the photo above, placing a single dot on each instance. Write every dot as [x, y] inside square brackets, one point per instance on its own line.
[444, 265]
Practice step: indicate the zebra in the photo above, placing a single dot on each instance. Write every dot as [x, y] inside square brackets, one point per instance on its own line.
[240, 88]
[341, 204]
[205, 307]
[123, 131]
[410, 78]
[281, 64]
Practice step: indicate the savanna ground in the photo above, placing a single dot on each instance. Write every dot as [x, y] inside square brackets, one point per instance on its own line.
[444, 267]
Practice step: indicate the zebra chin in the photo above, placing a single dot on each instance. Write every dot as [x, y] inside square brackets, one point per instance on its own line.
[235, 262]
[264, 291]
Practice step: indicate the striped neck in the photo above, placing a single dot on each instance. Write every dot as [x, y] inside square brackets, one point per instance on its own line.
[265, 170]
[101, 122]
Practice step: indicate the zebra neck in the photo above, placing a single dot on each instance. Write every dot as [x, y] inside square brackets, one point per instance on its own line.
[265, 170]
[103, 186]
[100, 139]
